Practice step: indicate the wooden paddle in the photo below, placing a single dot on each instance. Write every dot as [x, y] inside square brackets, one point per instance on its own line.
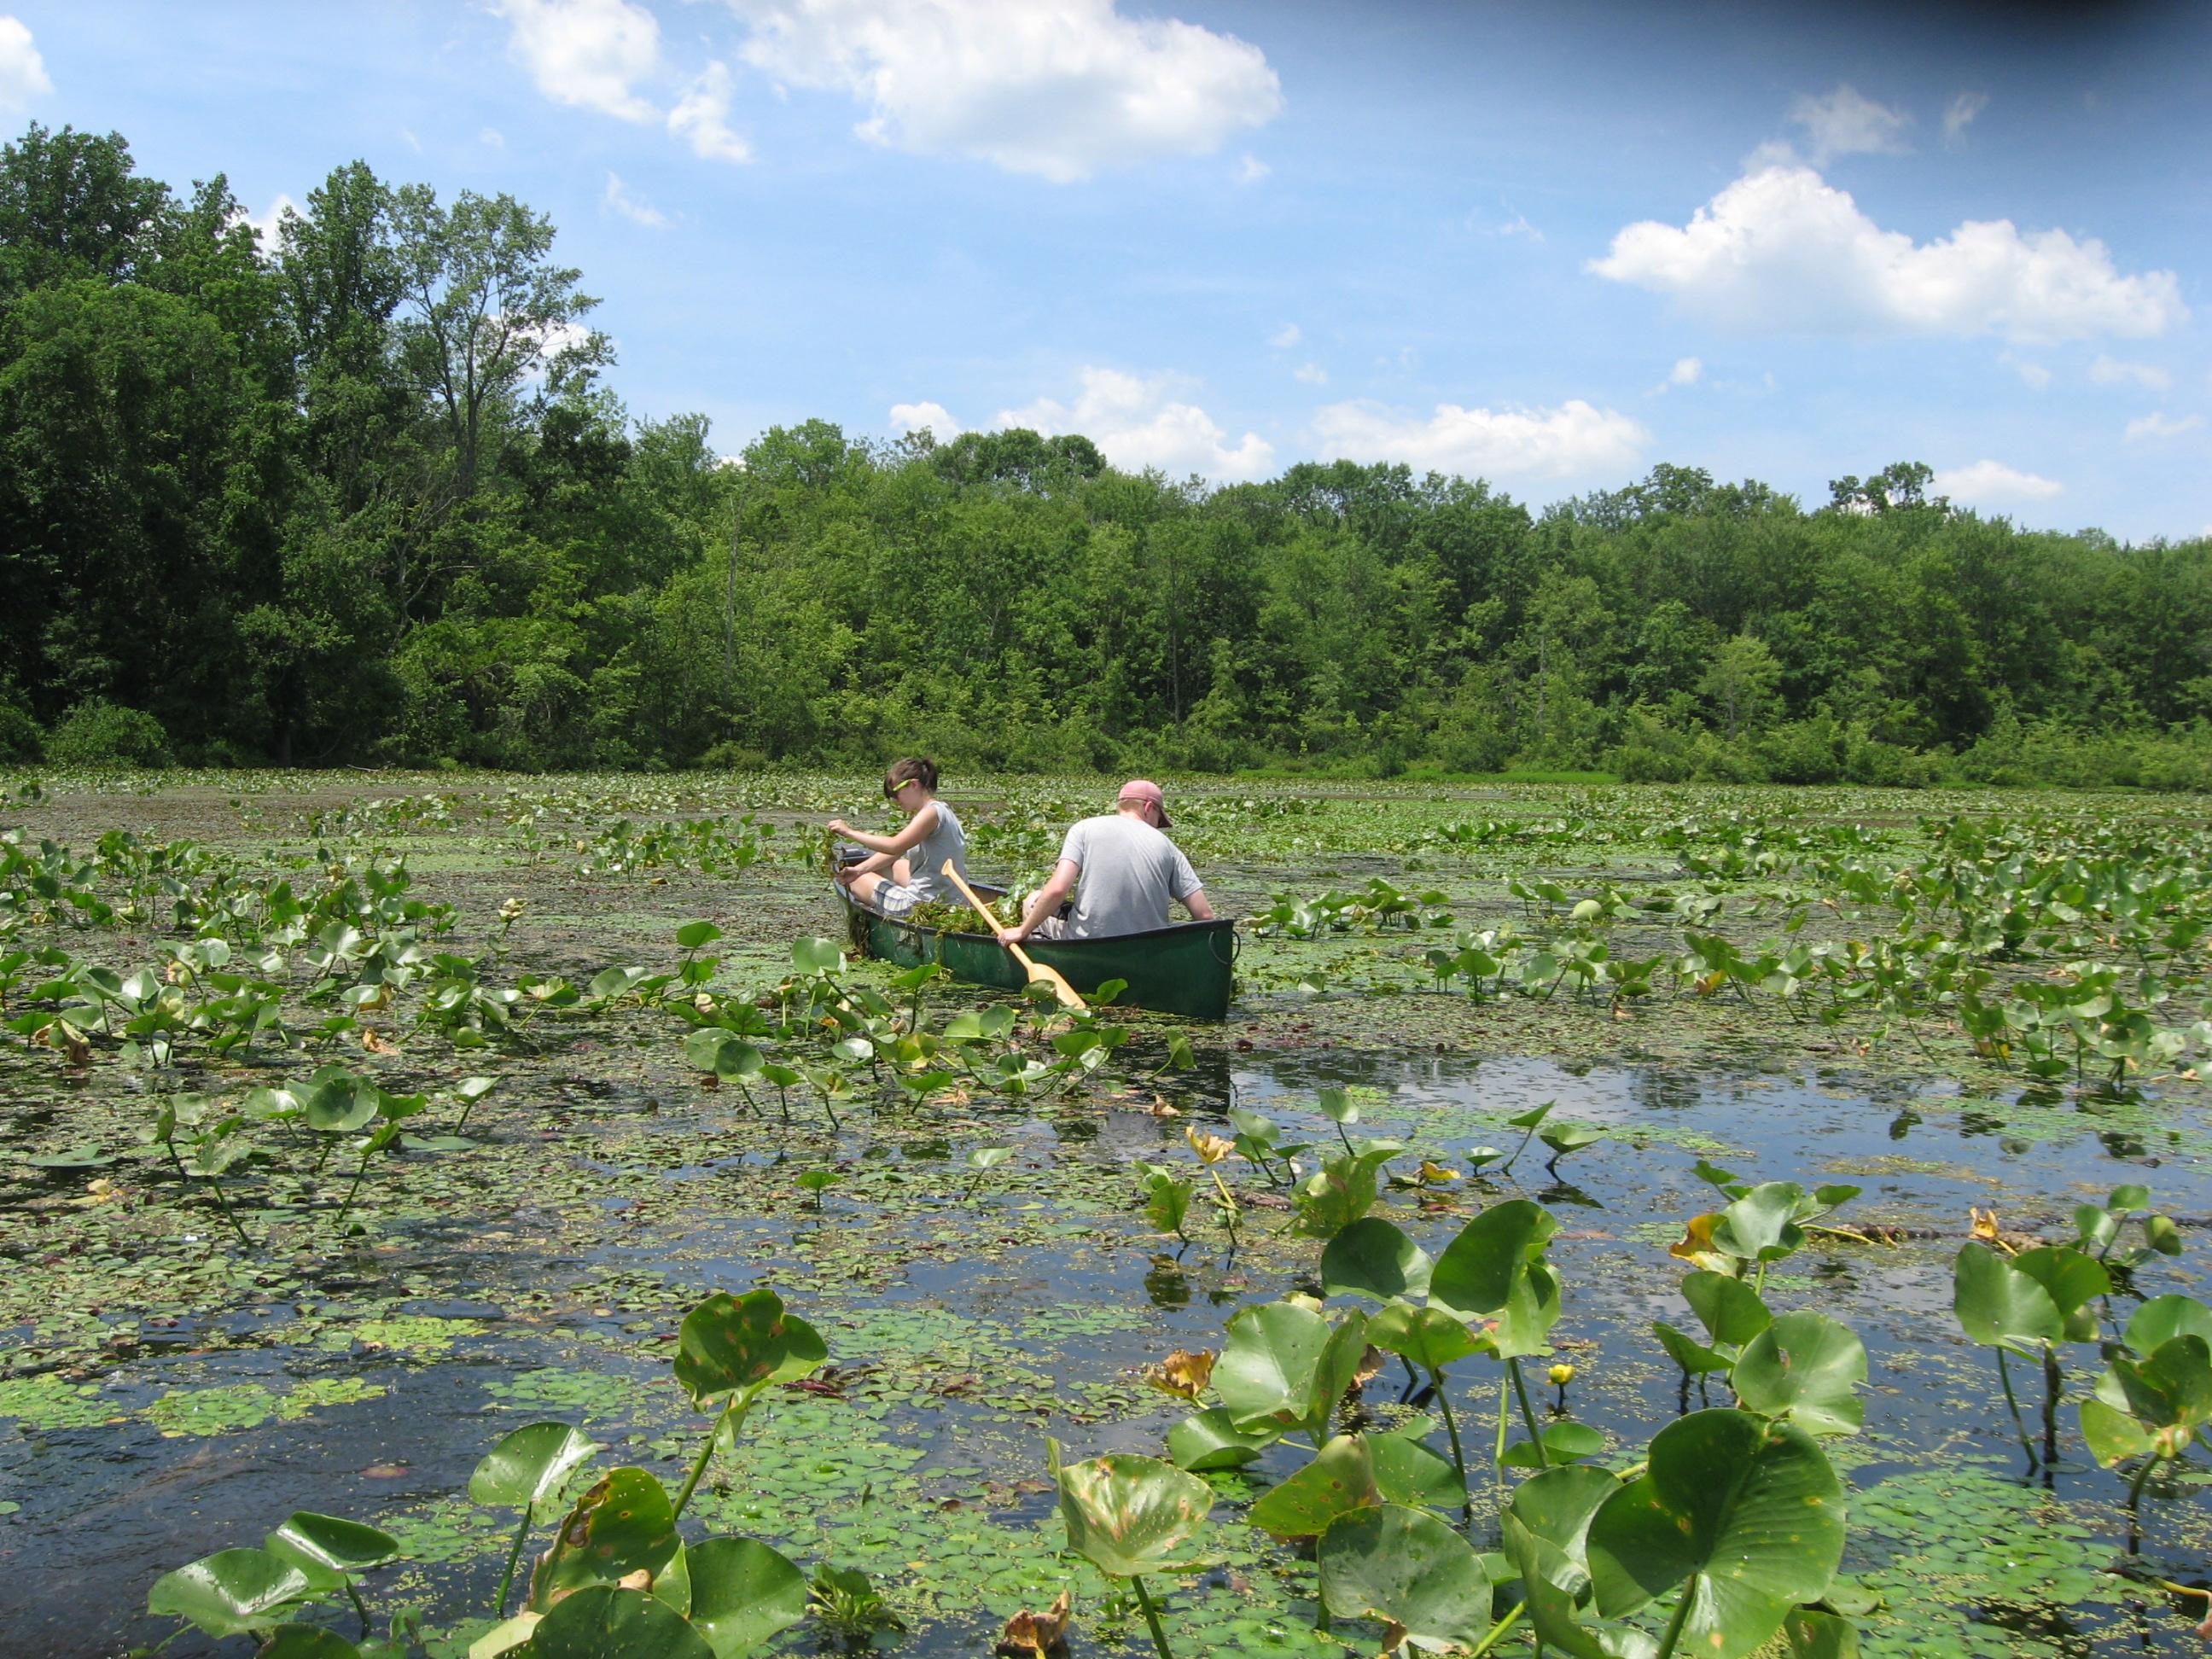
[1068, 995]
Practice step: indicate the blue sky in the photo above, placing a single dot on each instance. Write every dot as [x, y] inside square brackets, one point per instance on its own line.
[1547, 244]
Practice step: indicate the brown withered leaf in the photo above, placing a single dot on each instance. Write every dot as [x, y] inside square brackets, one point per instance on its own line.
[1370, 1363]
[371, 1043]
[1696, 1243]
[1160, 1108]
[60, 1034]
[1037, 1635]
[1182, 1373]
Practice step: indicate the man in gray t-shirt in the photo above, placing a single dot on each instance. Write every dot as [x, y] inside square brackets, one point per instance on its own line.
[1128, 872]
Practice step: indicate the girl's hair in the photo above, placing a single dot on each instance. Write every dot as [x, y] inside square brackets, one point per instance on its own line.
[920, 769]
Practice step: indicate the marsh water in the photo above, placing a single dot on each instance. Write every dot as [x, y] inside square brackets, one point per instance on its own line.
[172, 1393]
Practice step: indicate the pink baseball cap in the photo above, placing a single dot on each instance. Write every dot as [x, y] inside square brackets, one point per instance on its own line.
[1144, 789]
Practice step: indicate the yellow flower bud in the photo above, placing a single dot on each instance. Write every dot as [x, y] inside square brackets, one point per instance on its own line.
[1561, 1375]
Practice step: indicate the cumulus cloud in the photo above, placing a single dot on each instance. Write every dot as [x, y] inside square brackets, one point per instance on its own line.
[1960, 113]
[1251, 170]
[22, 71]
[1993, 481]
[1138, 421]
[2162, 425]
[1782, 249]
[1685, 372]
[618, 200]
[590, 53]
[2033, 374]
[702, 118]
[1573, 439]
[934, 418]
[1286, 336]
[267, 222]
[1056, 89]
[1846, 122]
[2111, 371]
[1311, 373]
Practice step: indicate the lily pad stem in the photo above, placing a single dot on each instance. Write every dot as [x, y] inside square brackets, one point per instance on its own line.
[1228, 1202]
[1528, 1413]
[734, 1415]
[359, 1605]
[353, 1190]
[1152, 1618]
[2019, 1424]
[2135, 1507]
[1497, 1632]
[228, 1213]
[1451, 1429]
[1497, 1453]
[1675, 1624]
[1529, 1135]
[507, 1579]
[2053, 1384]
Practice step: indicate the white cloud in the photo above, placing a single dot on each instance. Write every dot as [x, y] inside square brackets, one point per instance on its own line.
[1960, 114]
[2162, 425]
[413, 143]
[702, 118]
[1251, 170]
[22, 71]
[267, 222]
[1782, 249]
[590, 53]
[1685, 372]
[1845, 123]
[933, 418]
[1311, 373]
[2034, 374]
[619, 200]
[1057, 88]
[1286, 336]
[493, 137]
[1138, 421]
[2111, 371]
[1573, 439]
[1518, 225]
[1993, 481]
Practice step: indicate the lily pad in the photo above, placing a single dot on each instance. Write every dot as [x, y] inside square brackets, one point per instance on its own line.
[1744, 1514]
[230, 1593]
[1340, 1478]
[1804, 1366]
[1408, 1569]
[602, 1622]
[731, 1344]
[742, 1594]
[1131, 1515]
[624, 1524]
[1373, 1258]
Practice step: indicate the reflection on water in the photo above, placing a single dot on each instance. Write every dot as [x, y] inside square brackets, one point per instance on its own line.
[72, 1589]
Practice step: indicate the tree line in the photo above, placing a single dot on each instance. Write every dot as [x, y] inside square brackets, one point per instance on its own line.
[361, 492]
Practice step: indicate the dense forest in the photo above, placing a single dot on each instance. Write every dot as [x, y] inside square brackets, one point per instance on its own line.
[362, 492]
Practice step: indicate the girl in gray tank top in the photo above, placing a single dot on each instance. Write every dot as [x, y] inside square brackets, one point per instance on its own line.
[904, 870]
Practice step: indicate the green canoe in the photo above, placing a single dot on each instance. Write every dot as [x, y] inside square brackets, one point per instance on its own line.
[1183, 970]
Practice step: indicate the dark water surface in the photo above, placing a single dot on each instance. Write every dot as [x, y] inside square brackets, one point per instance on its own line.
[972, 1326]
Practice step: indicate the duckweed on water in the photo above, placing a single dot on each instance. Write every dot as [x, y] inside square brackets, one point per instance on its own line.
[541, 1269]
